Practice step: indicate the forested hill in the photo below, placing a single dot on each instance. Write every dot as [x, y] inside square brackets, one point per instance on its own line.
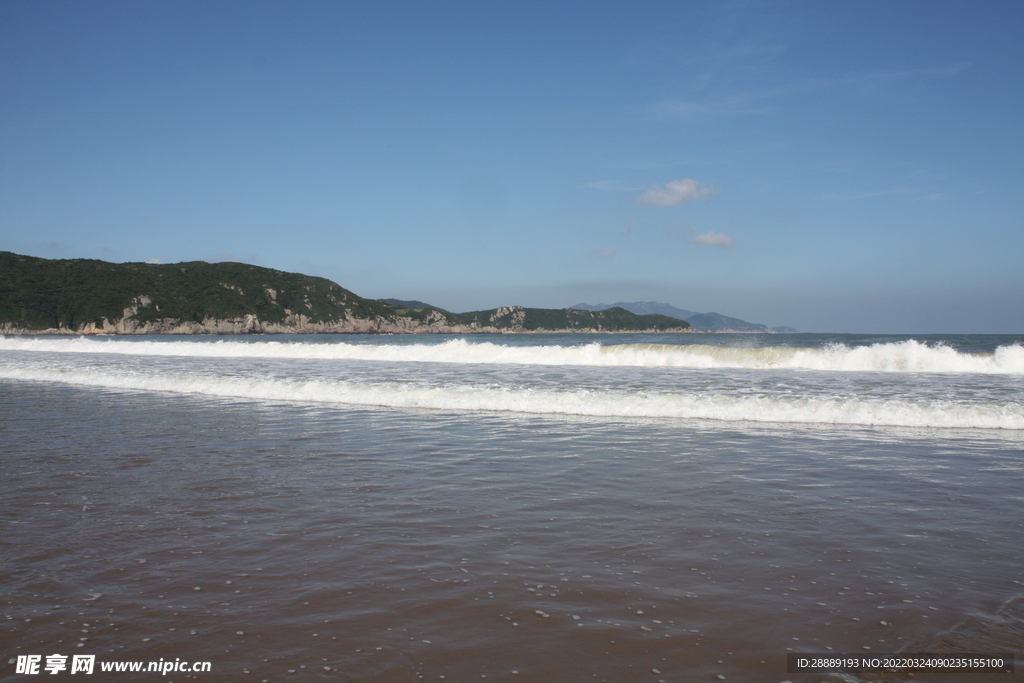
[568, 319]
[90, 296]
[95, 296]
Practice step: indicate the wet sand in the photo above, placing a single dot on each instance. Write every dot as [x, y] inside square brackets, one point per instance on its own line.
[286, 541]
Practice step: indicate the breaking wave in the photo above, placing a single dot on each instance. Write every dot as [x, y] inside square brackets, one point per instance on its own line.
[903, 356]
[605, 403]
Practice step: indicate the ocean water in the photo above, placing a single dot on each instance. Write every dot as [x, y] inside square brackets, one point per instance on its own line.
[514, 508]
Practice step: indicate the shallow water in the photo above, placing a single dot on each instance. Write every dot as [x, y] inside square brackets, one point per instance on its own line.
[348, 542]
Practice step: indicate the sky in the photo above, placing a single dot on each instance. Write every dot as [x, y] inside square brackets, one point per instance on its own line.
[830, 166]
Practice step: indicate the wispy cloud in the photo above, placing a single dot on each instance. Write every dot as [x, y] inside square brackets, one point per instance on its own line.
[736, 105]
[675, 192]
[714, 239]
[154, 261]
[910, 194]
[605, 253]
[892, 75]
[761, 101]
[894, 192]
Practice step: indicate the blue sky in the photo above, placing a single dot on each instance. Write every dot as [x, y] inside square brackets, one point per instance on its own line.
[832, 166]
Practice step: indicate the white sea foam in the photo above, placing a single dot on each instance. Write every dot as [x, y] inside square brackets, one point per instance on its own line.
[609, 403]
[903, 356]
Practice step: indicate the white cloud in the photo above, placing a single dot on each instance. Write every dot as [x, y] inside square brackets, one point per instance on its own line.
[605, 253]
[675, 192]
[154, 261]
[714, 239]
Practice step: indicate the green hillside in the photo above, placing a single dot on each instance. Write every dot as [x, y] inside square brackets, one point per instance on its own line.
[39, 294]
[534, 319]
[85, 295]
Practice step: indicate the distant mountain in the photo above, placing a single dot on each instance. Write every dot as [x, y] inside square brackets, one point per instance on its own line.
[699, 322]
[412, 305]
[520, 319]
[716, 322]
[642, 308]
[616, 319]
